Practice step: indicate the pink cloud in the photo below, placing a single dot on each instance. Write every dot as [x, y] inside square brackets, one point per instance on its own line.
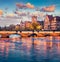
[49, 8]
[12, 15]
[1, 12]
[20, 13]
[28, 5]
[19, 5]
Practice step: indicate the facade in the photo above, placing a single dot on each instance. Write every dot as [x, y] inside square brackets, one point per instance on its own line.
[34, 19]
[47, 22]
[27, 24]
[52, 23]
[22, 25]
[58, 22]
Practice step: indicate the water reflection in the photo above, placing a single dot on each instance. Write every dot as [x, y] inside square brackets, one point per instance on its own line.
[44, 49]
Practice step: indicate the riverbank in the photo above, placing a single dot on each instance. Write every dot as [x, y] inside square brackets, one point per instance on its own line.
[26, 33]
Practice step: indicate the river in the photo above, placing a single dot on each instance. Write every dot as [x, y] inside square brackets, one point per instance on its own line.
[39, 49]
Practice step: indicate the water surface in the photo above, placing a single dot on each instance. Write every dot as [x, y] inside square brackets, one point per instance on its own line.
[43, 49]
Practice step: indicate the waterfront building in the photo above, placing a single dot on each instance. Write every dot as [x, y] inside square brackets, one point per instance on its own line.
[34, 19]
[52, 23]
[57, 22]
[27, 24]
[22, 25]
[47, 23]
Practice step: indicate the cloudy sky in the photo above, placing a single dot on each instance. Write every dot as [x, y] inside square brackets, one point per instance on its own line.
[13, 11]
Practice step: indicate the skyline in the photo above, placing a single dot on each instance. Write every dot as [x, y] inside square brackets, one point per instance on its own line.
[24, 9]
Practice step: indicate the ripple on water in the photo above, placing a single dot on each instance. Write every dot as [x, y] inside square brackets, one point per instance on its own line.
[43, 49]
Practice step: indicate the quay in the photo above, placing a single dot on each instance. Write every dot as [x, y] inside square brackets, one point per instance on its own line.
[5, 34]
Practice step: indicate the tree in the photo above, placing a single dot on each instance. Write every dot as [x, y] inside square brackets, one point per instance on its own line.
[17, 28]
[39, 27]
[36, 26]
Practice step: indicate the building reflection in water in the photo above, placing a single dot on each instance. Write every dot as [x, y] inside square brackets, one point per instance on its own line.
[4, 48]
[38, 49]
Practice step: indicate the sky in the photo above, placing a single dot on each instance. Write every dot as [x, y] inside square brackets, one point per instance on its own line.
[17, 10]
